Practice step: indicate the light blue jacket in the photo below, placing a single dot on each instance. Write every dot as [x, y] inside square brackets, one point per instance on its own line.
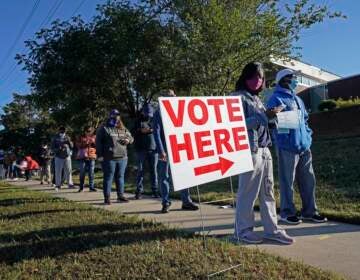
[294, 140]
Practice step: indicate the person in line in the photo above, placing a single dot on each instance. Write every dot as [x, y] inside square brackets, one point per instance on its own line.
[112, 139]
[86, 154]
[145, 151]
[164, 166]
[294, 154]
[45, 156]
[62, 148]
[258, 183]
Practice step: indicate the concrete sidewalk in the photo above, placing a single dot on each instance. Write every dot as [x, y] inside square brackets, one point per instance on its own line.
[332, 246]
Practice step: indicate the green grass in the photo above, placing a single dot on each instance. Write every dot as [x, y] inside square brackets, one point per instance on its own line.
[337, 169]
[42, 237]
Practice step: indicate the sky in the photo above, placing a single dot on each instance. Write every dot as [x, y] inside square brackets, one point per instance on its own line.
[332, 45]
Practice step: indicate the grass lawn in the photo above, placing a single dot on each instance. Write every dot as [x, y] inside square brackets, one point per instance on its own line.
[42, 237]
[337, 169]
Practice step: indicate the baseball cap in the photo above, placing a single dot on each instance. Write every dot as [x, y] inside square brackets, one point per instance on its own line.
[282, 73]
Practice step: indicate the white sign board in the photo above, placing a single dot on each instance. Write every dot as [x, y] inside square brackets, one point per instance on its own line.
[206, 139]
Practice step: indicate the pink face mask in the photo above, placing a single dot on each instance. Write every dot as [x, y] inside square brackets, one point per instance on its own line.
[254, 83]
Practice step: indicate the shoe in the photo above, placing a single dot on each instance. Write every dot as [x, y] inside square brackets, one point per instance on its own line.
[291, 220]
[165, 208]
[122, 198]
[189, 206]
[107, 201]
[138, 195]
[81, 190]
[250, 237]
[92, 190]
[315, 218]
[281, 237]
[155, 195]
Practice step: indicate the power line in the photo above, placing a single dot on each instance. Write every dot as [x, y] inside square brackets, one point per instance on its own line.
[21, 32]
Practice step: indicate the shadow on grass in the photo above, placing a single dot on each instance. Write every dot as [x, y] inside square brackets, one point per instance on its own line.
[57, 242]
[19, 201]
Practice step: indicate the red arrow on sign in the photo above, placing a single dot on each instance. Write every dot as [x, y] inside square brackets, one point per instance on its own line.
[223, 165]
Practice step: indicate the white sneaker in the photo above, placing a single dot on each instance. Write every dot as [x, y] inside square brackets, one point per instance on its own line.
[281, 236]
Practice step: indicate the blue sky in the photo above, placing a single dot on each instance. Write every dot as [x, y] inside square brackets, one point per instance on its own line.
[333, 45]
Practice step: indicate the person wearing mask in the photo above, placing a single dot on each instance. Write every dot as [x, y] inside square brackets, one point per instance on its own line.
[164, 165]
[45, 157]
[145, 151]
[258, 183]
[294, 154]
[86, 154]
[112, 139]
[62, 148]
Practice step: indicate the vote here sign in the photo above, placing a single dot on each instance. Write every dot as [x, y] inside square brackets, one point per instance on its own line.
[206, 139]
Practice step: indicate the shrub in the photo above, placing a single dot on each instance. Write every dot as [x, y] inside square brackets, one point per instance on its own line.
[327, 105]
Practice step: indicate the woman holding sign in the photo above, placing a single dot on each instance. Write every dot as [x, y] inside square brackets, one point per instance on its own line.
[259, 182]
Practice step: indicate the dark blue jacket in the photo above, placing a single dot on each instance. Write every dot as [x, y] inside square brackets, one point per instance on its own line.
[296, 140]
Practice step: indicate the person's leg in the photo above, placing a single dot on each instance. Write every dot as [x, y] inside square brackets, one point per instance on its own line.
[306, 180]
[91, 165]
[248, 190]
[108, 167]
[153, 161]
[82, 166]
[68, 171]
[120, 176]
[59, 164]
[287, 162]
[140, 155]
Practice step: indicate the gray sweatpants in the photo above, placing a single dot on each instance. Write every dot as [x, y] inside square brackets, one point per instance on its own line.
[254, 184]
[60, 164]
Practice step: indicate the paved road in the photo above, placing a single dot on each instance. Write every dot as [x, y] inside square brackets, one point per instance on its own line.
[332, 246]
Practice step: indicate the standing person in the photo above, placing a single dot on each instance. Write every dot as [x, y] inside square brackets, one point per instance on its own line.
[86, 154]
[112, 139]
[294, 154]
[164, 166]
[62, 148]
[145, 151]
[45, 157]
[258, 183]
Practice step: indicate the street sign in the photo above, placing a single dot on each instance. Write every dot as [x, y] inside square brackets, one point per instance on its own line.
[206, 139]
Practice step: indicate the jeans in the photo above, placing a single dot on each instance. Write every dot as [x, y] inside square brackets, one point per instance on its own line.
[165, 182]
[296, 166]
[60, 165]
[114, 169]
[151, 157]
[87, 165]
[258, 183]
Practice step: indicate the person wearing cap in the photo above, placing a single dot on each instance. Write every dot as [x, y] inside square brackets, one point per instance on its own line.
[258, 183]
[112, 139]
[294, 154]
[86, 154]
[145, 151]
[62, 148]
[164, 166]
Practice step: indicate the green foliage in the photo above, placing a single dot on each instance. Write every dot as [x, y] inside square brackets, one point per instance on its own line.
[43, 237]
[327, 105]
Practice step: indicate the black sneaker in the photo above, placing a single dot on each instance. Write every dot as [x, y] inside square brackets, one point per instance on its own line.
[92, 190]
[315, 218]
[155, 194]
[291, 220]
[189, 206]
[165, 208]
[138, 195]
[122, 198]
